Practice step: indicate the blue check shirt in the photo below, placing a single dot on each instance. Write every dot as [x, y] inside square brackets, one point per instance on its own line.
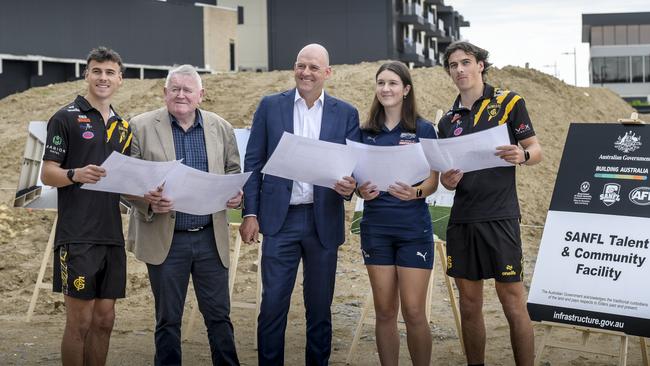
[190, 146]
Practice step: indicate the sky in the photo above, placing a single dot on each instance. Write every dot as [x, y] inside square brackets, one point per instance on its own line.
[537, 32]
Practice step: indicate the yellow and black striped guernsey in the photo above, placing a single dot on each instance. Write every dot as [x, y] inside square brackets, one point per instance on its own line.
[488, 194]
[77, 136]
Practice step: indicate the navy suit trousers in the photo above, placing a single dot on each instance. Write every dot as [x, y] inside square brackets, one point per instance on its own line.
[192, 253]
[281, 254]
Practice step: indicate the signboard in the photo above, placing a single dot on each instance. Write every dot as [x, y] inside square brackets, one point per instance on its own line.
[592, 269]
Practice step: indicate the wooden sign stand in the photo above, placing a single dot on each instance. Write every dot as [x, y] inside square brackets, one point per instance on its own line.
[586, 332]
[368, 305]
[41, 272]
[546, 342]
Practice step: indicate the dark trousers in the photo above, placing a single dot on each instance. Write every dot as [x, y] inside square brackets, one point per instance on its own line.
[192, 253]
[281, 254]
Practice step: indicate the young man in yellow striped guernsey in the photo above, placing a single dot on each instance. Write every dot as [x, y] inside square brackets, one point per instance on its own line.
[483, 238]
[89, 257]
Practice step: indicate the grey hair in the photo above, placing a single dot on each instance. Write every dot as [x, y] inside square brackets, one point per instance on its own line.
[184, 70]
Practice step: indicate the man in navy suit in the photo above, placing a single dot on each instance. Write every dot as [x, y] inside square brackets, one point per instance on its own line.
[298, 220]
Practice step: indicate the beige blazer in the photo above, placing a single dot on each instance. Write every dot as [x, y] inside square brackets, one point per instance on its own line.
[150, 235]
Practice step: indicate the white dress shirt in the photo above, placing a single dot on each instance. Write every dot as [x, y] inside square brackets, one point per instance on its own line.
[306, 123]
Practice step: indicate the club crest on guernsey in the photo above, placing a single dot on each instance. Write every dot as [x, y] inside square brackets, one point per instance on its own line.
[611, 193]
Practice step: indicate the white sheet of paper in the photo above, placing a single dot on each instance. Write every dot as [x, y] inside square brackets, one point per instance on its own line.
[311, 161]
[127, 175]
[200, 193]
[192, 191]
[467, 153]
[385, 165]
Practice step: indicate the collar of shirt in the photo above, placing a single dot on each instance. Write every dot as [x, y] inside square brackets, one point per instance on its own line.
[488, 93]
[85, 107]
[397, 128]
[198, 120]
[321, 98]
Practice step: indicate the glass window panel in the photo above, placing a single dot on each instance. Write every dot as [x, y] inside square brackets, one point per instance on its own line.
[608, 35]
[637, 69]
[623, 69]
[610, 70]
[644, 34]
[632, 34]
[597, 70]
[620, 32]
[597, 36]
[616, 70]
[647, 69]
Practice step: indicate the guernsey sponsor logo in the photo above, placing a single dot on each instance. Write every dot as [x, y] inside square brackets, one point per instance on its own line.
[88, 135]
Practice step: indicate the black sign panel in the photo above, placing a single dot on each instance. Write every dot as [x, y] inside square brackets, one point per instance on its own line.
[605, 170]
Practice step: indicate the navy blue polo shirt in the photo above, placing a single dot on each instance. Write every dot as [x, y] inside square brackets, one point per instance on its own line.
[387, 214]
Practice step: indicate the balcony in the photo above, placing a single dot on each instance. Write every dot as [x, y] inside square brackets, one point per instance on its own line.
[412, 52]
[429, 26]
[430, 58]
[412, 14]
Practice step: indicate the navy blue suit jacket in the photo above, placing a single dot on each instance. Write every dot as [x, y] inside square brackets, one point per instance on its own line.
[268, 196]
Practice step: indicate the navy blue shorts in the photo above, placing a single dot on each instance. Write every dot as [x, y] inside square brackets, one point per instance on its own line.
[394, 250]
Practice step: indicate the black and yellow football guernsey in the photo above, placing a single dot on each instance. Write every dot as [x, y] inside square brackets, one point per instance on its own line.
[77, 136]
[488, 194]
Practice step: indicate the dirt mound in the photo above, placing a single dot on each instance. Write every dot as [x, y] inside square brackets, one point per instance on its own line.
[552, 105]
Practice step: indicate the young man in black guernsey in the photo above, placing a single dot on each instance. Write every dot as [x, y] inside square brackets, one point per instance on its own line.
[483, 238]
[89, 257]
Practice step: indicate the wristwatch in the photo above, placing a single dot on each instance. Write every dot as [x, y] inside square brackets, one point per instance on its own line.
[526, 156]
[418, 193]
[70, 175]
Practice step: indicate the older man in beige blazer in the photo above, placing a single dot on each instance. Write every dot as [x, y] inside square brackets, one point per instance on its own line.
[176, 244]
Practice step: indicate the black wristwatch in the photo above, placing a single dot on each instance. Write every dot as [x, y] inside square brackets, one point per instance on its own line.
[70, 175]
[526, 156]
[418, 193]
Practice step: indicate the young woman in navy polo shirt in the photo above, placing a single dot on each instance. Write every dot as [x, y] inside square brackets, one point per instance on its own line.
[396, 231]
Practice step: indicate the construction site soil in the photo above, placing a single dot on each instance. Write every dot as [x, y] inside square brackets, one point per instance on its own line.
[552, 104]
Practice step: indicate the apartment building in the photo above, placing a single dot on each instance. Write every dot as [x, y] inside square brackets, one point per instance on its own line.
[414, 31]
[619, 46]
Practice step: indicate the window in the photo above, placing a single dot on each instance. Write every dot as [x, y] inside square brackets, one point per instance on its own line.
[637, 69]
[240, 15]
[647, 69]
[620, 34]
[610, 69]
[597, 36]
[608, 34]
[597, 70]
[623, 69]
[644, 34]
[632, 34]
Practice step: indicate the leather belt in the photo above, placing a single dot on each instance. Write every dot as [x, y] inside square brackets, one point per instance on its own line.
[195, 229]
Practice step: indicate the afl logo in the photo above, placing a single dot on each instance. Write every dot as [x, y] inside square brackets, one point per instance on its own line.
[640, 196]
[88, 135]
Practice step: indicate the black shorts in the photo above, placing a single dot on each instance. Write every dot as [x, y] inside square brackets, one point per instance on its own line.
[482, 250]
[89, 271]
